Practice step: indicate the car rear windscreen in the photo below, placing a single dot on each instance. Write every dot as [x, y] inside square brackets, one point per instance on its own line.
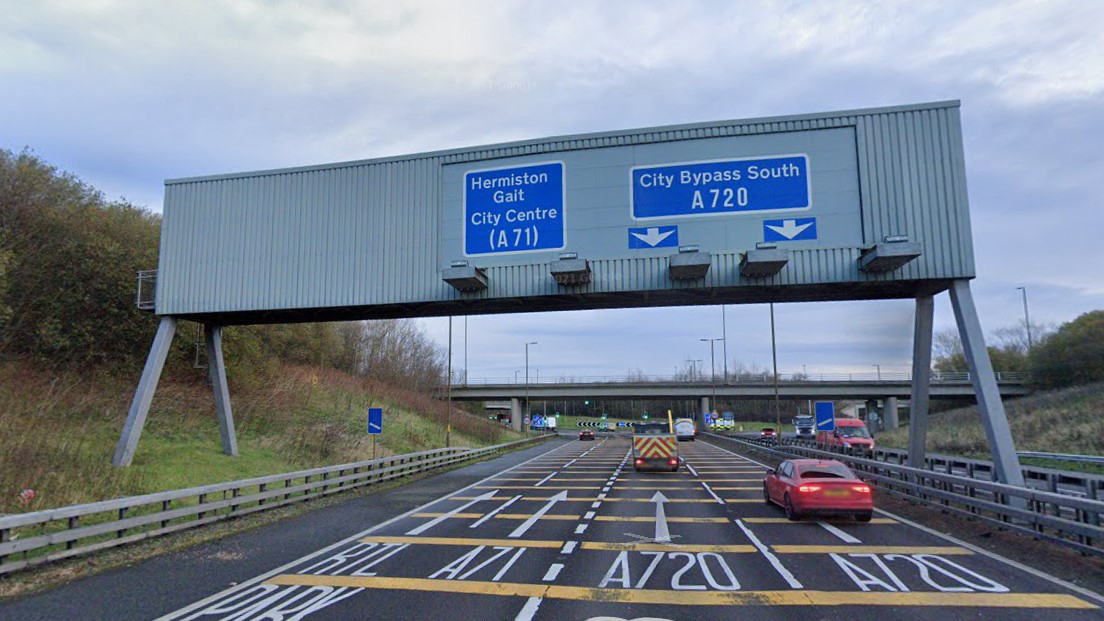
[826, 471]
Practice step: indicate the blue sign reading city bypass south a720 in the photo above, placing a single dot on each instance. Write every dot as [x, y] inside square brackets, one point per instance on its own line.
[516, 209]
[720, 187]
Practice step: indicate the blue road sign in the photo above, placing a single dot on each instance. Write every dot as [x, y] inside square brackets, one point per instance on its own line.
[375, 420]
[789, 229]
[825, 415]
[721, 187]
[516, 209]
[653, 237]
[538, 421]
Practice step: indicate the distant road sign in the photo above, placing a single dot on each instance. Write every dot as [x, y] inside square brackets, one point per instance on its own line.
[527, 421]
[825, 415]
[653, 237]
[375, 420]
[516, 209]
[792, 229]
[720, 187]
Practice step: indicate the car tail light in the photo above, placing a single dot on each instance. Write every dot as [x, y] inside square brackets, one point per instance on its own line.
[862, 489]
[639, 462]
[808, 489]
[673, 461]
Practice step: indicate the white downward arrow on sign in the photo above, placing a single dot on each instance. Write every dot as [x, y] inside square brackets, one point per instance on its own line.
[790, 228]
[652, 236]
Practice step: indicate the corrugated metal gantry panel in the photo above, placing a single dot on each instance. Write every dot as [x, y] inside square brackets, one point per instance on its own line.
[371, 238]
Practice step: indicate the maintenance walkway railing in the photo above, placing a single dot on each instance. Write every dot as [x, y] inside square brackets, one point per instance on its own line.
[1065, 519]
[28, 539]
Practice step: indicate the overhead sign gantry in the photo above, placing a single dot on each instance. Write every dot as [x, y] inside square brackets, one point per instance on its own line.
[853, 205]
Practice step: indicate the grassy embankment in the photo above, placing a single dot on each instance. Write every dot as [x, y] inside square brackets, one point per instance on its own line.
[1061, 421]
[59, 431]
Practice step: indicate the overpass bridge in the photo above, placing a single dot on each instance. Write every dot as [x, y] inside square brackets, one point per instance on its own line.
[837, 386]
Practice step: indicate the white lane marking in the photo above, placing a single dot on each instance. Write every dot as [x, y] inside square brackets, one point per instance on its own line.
[589, 515]
[527, 524]
[568, 463]
[495, 511]
[691, 469]
[435, 521]
[839, 533]
[601, 496]
[283, 568]
[606, 489]
[545, 479]
[502, 572]
[529, 610]
[712, 493]
[552, 572]
[662, 532]
[569, 547]
[580, 529]
[785, 573]
[596, 504]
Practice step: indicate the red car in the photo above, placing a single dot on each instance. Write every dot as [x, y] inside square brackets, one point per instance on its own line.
[586, 434]
[766, 433]
[818, 487]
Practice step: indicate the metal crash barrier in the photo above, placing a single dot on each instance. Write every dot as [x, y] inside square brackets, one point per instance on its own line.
[28, 539]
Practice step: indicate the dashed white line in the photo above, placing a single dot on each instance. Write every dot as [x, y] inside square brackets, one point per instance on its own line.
[529, 610]
[712, 493]
[839, 533]
[580, 529]
[601, 496]
[691, 469]
[553, 571]
[589, 515]
[495, 511]
[771, 558]
[569, 547]
[596, 504]
[545, 479]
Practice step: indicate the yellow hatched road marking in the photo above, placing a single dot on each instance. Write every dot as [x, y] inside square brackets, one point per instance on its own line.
[683, 520]
[693, 598]
[501, 516]
[860, 549]
[460, 541]
[530, 487]
[536, 479]
[582, 499]
[736, 501]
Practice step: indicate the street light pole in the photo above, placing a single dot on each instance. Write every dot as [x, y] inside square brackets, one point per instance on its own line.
[724, 344]
[879, 367]
[526, 412]
[1027, 318]
[712, 368]
[465, 350]
[448, 408]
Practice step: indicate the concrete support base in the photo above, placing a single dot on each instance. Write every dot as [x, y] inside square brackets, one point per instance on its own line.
[704, 408]
[143, 396]
[217, 370]
[993, 417]
[515, 414]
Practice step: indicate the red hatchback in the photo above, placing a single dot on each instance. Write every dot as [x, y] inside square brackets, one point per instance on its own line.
[818, 487]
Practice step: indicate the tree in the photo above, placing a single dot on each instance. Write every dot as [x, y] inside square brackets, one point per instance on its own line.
[1072, 355]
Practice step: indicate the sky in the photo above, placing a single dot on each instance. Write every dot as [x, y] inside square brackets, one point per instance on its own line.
[125, 94]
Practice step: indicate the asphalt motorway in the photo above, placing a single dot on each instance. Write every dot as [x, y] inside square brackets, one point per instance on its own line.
[575, 533]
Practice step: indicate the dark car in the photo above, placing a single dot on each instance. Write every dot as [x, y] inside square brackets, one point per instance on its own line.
[586, 434]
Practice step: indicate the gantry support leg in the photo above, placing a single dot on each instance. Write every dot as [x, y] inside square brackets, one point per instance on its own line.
[990, 406]
[216, 368]
[921, 380]
[515, 414]
[143, 396]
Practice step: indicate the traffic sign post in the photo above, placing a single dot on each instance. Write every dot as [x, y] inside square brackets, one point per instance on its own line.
[375, 426]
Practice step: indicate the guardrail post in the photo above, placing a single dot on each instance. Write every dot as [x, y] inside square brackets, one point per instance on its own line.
[202, 501]
[5, 536]
[261, 489]
[71, 524]
[165, 505]
[122, 515]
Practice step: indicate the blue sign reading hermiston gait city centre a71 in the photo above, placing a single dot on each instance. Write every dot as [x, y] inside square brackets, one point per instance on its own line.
[515, 209]
[720, 187]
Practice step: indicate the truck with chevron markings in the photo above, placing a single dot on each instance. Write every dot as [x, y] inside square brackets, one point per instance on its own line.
[655, 447]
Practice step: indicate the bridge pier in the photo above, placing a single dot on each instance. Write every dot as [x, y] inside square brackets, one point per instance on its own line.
[515, 414]
[704, 409]
[889, 414]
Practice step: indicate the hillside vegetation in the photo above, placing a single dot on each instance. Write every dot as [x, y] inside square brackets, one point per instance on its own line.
[1062, 421]
[72, 345]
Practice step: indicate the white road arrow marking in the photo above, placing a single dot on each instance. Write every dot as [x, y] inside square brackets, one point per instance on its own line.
[520, 530]
[790, 228]
[435, 521]
[652, 236]
[662, 533]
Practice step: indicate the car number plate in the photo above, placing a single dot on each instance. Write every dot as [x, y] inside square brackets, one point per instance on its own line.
[836, 492]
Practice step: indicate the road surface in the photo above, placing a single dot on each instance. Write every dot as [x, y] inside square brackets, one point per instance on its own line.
[575, 534]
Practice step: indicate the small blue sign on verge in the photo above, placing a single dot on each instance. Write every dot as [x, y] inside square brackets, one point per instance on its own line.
[375, 420]
[825, 415]
[789, 229]
[653, 237]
